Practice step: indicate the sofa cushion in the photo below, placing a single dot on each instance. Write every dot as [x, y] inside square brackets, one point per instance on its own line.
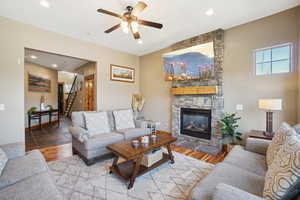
[283, 177]
[278, 140]
[78, 118]
[99, 141]
[231, 175]
[36, 187]
[96, 123]
[123, 119]
[3, 160]
[228, 192]
[131, 133]
[22, 167]
[247, 160]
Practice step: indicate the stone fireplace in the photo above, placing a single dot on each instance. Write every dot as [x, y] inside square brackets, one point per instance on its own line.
[195, 117]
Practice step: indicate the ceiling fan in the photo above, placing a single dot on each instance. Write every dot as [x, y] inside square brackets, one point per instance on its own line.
[130, 21]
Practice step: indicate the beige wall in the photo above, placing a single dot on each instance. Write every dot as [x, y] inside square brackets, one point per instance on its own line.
[241, 86]
[33, 98]
[15, 36]
[155, 89]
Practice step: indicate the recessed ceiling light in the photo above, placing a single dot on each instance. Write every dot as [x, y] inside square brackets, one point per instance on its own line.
[33, 57]
[45, 3]
[54, 65]
[140, 41]
[209, 12]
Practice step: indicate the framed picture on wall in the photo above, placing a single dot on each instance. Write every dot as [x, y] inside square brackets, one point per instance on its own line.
[121, 73]
[38, 84]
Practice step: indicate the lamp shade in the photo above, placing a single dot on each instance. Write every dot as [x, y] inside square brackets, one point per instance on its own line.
[270, 104]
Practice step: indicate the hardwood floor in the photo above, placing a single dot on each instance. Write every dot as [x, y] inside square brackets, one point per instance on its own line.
[65, 151]
[49, 136]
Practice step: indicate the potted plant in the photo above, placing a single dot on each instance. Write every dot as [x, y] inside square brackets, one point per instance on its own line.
[228, 127]
[31, 110]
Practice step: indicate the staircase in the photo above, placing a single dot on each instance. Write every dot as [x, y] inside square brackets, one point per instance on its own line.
[72, 97]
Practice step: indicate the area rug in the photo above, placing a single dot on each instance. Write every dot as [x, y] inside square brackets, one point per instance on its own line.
[77, 181]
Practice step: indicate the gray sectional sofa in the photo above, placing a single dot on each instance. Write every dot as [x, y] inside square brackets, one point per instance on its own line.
[242, 172]
[91, 149]
[26, 176]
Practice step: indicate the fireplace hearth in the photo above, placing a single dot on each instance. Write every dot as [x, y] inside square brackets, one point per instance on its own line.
[195, 123]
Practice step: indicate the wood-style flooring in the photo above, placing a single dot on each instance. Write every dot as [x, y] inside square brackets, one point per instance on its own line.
[55, 143]
[63, 151]
[48, 136]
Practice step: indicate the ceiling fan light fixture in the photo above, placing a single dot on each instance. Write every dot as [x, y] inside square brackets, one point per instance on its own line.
[140, 41]
[124, 26]
[134, 26]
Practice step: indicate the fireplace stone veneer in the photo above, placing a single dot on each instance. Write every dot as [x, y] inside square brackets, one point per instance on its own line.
[213, 102]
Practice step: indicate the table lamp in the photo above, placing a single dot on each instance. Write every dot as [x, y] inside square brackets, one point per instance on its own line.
[269, 105]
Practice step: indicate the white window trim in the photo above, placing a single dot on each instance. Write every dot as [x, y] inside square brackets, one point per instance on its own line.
[291, 68]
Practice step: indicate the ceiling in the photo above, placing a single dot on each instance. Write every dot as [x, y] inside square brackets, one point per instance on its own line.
[181, 18]
[63, 63]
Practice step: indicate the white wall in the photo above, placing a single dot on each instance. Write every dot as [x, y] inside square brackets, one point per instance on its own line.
[15, 37]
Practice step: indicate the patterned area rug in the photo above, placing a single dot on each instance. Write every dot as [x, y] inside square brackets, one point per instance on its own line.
[168, 182]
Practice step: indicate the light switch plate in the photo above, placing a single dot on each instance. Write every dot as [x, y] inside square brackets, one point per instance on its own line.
[2, 107]
[239, 107]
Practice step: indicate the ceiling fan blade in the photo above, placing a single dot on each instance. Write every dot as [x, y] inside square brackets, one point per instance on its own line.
[136, 35]
[109, 13]
[140, 6]
[113, 28]
[148, 23]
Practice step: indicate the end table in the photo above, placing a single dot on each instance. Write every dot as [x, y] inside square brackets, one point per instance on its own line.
[259, 134]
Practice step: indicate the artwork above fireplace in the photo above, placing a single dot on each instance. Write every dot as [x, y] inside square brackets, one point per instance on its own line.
[195, 123]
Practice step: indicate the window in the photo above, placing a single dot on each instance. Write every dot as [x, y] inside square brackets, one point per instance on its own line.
[273, 60]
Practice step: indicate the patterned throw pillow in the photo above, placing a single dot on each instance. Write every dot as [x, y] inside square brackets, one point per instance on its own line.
[124, 119]
[96, 123]
[278, 140]
[283, 176]
[3, 160]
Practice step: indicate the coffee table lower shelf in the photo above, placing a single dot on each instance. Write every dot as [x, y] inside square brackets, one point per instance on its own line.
[125, 169]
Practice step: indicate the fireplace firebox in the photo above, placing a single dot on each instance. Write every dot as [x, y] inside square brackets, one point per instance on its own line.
[196, 122]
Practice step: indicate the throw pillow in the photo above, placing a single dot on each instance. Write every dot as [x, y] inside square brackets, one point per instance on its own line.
[283, 176]
[297, 128]
[278, 140]
[3, 160]
[96, 123]
[124, 119]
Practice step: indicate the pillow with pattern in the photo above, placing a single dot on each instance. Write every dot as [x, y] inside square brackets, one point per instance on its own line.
[3, 160]
[282, 181]
[278, 140]
[96, 123]
[124, 119]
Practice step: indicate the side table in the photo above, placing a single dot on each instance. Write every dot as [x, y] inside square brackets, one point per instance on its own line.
[259, 134]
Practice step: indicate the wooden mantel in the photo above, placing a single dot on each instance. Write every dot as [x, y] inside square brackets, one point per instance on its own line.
[200, 90]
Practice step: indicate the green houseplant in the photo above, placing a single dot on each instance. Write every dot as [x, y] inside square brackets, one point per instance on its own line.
[31, 110]
[228, 128]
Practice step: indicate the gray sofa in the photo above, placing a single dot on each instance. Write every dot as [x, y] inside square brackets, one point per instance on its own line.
[26, 176]
[240, 176]
[94, 148]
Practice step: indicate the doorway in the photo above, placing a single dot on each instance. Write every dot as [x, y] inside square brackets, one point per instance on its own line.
[89, 93]
[60, 97]
[49, 80]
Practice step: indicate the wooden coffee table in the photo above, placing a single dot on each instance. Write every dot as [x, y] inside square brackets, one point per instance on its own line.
[131, 167]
